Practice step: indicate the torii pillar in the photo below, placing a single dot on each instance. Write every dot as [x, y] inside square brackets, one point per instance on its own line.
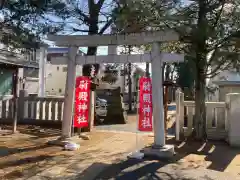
[159, 149]
[157, 93]
[69, 93]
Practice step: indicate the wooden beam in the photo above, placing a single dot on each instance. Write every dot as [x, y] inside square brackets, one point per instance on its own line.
[136, 58]
[114, 39]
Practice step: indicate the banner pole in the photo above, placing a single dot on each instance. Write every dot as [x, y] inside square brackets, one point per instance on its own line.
[74, 109]
[137, 154]
[72, 126]
[137, 146]
[79, 131]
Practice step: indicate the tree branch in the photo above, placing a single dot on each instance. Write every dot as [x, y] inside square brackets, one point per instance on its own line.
[100, 4]
[175, 29]
[214, 6]
[219, 67]
[213, 56]
[217, 70]
[80, 30]
[84, 18]
[227, 38]
[219, 14]
[107, 25]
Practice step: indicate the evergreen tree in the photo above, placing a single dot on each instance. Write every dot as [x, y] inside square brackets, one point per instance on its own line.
[209, 32]
[17, 26]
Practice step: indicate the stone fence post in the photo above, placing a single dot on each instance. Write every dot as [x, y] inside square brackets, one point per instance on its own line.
[22, 105]
[233, 114]
[179, 114]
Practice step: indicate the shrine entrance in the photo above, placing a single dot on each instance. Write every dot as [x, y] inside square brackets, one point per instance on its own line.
[154, 57]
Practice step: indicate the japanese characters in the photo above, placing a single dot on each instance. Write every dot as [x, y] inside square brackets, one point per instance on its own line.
[145, 105]
[82, 100]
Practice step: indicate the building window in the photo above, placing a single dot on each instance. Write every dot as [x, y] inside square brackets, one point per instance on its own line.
[57, 68]
[64, 69]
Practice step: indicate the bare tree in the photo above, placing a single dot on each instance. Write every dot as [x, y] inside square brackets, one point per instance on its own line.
[81, 17]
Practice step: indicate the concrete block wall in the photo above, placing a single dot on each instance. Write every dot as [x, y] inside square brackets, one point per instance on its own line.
[233, 118]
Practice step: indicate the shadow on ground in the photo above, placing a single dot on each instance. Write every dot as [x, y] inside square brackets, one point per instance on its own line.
[218, 153]
[5, 151]
[130, 169]
[40, 131]
[25, 161]
[134, 169]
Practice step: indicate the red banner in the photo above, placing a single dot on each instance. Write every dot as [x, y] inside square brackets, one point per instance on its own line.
[145, 105]
[82, 100]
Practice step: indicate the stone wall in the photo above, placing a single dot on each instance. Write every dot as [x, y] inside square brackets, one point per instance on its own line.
[233, 123]
[115, 109]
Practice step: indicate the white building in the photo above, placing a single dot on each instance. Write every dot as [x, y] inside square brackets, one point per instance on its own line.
[225, 82]
[56, 76]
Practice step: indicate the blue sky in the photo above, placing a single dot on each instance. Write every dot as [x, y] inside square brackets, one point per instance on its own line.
[101, 50]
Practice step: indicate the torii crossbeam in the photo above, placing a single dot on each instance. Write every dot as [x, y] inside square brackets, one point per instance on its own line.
[125, 58]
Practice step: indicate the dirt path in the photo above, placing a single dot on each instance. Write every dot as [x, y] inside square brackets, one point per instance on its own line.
[27, 156]
[22, 154]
